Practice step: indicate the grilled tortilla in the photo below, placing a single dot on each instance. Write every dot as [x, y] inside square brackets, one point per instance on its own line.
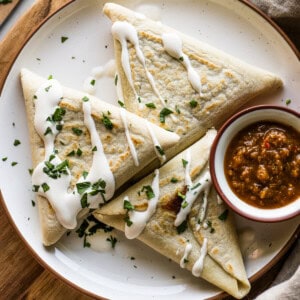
[77, 149]
[223, 264]
[176, 81]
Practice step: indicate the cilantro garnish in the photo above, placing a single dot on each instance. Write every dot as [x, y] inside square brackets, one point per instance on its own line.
[223, 215]
[149, 191]
[107, 122]
[150, 105]
[77, 131]
[163, 113]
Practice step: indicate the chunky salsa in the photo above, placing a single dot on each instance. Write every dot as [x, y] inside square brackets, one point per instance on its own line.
[262, 164]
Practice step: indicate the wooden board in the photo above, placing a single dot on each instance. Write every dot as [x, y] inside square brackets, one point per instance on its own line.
[6, 9]
[21, 276]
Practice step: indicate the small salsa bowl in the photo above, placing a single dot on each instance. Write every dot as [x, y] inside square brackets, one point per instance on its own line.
[227, 132]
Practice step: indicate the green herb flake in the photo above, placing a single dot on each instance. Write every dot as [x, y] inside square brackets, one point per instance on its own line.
[163, 113]
[85, 174]
[48, 88]
[14, 163]
[116, 79]
[150, 105]
[288, 101]
[181, 196]
[4, 158]
[94, 148]
[127, 205]
[63, 39]
[121, 103]
[182, 227]
[184, 162]
[45, 187]
[50, 77]
[196, 185]
[177, 109]
[82, 228]
[160, 150]
[85, 243]
[85, 99]
[72, 153]
[32, 203]
[212, 230]
[5, 1]
[193, 103]
[48, 131]
[174, 180]
[139, 99]
[149, 191]
[30, 171]
[35, 188]
[185, 260]
[93, 81]
[184, 204]
[83, 186]
[35, 97]
[83, 201]
[107, 122]
[112, 240]
[79, 152]
[128, 221]
[77, 131]
[181, 58]
[223, 216]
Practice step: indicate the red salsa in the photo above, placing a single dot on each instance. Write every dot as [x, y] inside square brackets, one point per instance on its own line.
[262, 164]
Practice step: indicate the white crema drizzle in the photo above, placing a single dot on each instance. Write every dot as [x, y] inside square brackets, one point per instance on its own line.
[139, 219]
[65, 203]
[198, 266]
[202, 186]
[124, 32]
[173, 46]
[187, 251]
[156, 144]
[129, 140]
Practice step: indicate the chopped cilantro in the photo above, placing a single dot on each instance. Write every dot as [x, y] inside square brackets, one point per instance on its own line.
[174, 180]
[77, 131]
[149, 191]
[85, 243]
[83, 201]
[163, 113]
[14, 163]
[85, 99]
[107, 122]
[79, 152]
[121, 103]
[116, 79]
[181, 196]
[181, 58]
[4, 158]
[139, 99]
[150, 105]
[127, 205]
[50, 77]
[184, 162]
[72, 153]
[35, 188]
[48, 88]
[128, 221]
[63, 39]
[45, 187]
[93, 81]
[193, 103]
[184, 204]
[112, 240]
[48, 131]
[196, 185]
[223, 215]
[288, 101]
[32, 203]
[85, 174]
[83, 186]
[30, 171]
[82, 228]
[58, 114]
[185, 260]
[94, 148]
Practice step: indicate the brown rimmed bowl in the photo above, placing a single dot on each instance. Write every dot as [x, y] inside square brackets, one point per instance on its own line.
[225, 135]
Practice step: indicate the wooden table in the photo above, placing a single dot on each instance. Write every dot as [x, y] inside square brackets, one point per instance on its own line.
[21, 276]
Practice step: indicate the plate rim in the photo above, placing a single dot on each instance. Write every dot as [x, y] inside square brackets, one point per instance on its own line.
[49, 268]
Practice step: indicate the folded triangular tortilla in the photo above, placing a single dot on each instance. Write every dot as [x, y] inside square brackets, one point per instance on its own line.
[182, 184]
[80, 126]
[176, 81]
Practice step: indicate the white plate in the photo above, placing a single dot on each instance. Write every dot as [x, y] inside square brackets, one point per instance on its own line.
[229, 25]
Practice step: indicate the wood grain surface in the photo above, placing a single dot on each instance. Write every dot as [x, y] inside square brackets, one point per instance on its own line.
[6, 9]
[21, 276]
